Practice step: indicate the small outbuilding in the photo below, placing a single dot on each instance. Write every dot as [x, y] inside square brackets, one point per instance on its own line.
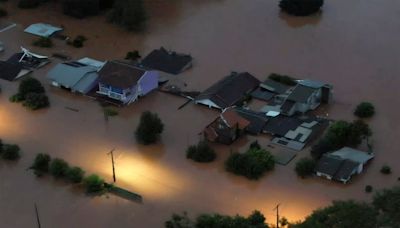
[42, 29]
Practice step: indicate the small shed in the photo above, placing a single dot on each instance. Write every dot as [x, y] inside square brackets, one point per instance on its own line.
[42, 29]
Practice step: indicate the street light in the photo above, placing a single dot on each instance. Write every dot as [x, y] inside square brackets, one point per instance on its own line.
[112, 162]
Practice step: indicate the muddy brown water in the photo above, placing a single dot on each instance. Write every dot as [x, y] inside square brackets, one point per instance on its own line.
[352, 45]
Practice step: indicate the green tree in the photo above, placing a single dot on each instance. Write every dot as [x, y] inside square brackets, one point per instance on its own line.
[94, 184]
[149, 129]
[75, 174]
[179, 221]
[301, 7]
[35, 101]
[365, 110]
[29, 85]
[10, 152]
[130, 14]
[305, 167]
[387, 202]
[41, 164]
[201, 152]
[343, 214]
[59, 168]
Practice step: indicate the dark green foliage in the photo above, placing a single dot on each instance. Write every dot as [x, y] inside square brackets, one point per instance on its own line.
[36, 101]
[387, 202]
[44, 42]
[301, 7]
[81, 8]
[59, 168]
[252, 164]
[10, 152]
[41, 164]
[255, 220]
[106, 4]
[149, 129]
[3, 12]
[75, 174]
[133, 55]
[28, 4]
[78, 41]
[108, 111]
[305, 167]
[1, 146]
[341, 214]
[179, 221]
[29, 85]
[255, 145]
[368, 188]
[94, 184]
[340, 134]
[130, 14]
[201, 152]
[284, 79]
[386, 170]
[365, 110]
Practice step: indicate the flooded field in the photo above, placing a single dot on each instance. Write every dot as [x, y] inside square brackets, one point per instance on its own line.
[352, 45]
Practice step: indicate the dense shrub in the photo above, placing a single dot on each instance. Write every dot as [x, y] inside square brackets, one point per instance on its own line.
[28, 4]
[78, 41]
[29, 85]
[301, 7]
[368, 188]
[386, 170]
[364, 110]
[41, 164]
[284, 79]
[133, 55]
[252, 164]
[149, 129]
[10, 152]
[81, 8]
[94, 184]
[44, 42]
[130, 14]
[59, 168]
[36, 101]
[75, 174]
[255, 145]
[387, 202]
[201, 152]
[305, 167]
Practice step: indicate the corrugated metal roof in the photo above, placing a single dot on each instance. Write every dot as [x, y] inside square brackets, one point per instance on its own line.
[42, 29]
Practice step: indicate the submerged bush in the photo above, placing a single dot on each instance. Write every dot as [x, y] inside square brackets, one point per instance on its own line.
[201, 152]
[41, 164]
[44, 42]
[36, 101]
[94, 184]
[149, 129]
[59, 168]
[305, 167]
[364, 110]
[75, 174]
[301, 7]
[386, 170]
[130, 14]
[10, 152]
[78, 41]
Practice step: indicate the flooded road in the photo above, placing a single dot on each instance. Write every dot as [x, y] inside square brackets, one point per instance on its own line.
[352, 45]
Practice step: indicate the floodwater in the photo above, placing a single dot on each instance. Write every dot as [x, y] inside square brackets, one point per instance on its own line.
[352, 45]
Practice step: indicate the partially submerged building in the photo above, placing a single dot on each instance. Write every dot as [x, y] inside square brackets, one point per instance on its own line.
[12, 71]
[341, 165]
[169, 62]
[125, 82]
[228, 127]
[229, 91]
[42, 29]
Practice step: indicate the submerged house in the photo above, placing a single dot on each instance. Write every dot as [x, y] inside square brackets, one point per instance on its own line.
[42, 29]
[75, 76]
[228, 127]
[125, 82]
[306, 95]
[229, 91]
[341, 165]
[167, 61]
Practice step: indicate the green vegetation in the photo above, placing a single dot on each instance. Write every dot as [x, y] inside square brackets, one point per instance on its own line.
[387, 203]
[80, 8]
[109, 112]
[255, 220]
[252, 164]
[32, 93]
[133, 55]
[386, 170]
[44, 42]
[364, 110]
[78, 41]
[94, 184]
[10, 152]
[149, 129]
[75, 174]
[368, 188]
[201, 152]
[284, 79]
[301, 7]
[41, 164]
[59, 168]
[130, 14]
[305, 167]
[340, 134]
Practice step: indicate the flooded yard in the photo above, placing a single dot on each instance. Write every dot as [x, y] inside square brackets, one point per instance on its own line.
[352, 45]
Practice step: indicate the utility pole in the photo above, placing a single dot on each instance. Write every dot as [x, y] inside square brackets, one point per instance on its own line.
[277, 214]
[112, 162]
[37, 216]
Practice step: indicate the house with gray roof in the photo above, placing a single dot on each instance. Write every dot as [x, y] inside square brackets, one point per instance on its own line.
[42, 29]
[305, 96]
[74, 76]
[341, 165]
[229, 91]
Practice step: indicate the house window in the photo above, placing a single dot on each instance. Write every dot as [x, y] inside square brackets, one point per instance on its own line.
[103, 89]
[115, 96]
